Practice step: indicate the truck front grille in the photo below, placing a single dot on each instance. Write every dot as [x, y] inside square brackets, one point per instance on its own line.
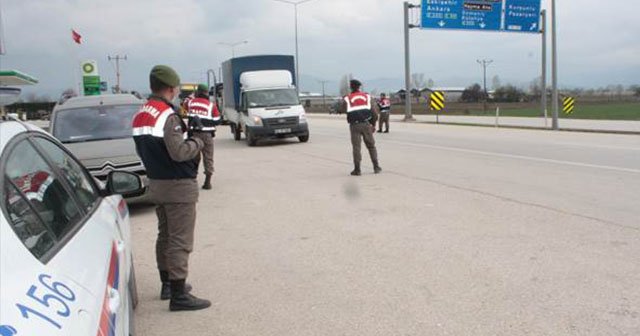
[280, 122]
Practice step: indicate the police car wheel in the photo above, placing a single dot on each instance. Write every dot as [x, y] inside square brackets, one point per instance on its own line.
[251, 141]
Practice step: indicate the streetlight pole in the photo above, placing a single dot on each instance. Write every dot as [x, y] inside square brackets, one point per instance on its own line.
[554, 66]
[485, 63]
[324, 104]
[117, 58]
[295, 12]
[233, 46]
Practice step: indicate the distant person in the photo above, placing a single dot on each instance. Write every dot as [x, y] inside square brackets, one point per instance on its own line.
[384, 104]
[170, 157]
[202, 109]
[361, 116]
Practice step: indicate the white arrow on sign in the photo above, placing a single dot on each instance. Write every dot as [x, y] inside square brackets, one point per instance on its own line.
[533, 26]
[482, 25]
[441, 23]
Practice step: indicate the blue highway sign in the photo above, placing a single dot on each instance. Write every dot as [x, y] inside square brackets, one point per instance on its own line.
[490, 15]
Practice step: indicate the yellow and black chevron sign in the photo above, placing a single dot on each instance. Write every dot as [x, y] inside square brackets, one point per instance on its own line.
[568, 104]
[436, 101]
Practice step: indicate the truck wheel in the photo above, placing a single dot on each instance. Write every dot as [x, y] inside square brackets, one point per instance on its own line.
[236, 132]
[251, 141]
[304, 138]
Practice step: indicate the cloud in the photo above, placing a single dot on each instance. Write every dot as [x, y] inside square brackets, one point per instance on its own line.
[598, 43]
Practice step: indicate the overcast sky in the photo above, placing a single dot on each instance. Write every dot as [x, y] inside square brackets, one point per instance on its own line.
[599, 43]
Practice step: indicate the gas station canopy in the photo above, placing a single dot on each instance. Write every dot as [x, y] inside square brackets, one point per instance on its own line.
[15, 78]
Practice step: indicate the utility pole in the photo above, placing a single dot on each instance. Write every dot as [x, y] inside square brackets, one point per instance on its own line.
[117, 58]
[407, 59]
[324, 104]
[485, 63]
[543, 77]
[554, 65]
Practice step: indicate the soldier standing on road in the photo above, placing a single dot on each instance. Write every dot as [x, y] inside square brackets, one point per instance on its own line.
[361, 116]
[170, 159]
[202, 109]
[384, 104]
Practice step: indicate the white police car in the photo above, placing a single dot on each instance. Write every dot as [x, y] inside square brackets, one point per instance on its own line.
[65, 245]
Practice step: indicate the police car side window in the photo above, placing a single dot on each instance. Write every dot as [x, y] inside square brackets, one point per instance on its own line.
[38, 184]
[73, 173]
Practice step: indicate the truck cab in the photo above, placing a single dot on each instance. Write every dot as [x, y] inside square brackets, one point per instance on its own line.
[261, 99]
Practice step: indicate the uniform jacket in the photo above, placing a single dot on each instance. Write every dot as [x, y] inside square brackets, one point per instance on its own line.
[206, 111]
[384, 104]
[359, 108]
[162, 144]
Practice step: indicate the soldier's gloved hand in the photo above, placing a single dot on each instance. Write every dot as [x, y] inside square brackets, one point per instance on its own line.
[195, 124]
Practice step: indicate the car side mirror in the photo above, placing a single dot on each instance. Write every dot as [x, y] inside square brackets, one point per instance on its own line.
[123, 183]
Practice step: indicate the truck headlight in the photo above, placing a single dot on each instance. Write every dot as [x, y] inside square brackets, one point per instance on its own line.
[257, 121]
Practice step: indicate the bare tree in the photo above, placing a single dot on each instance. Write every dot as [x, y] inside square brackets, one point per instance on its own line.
[495, 82]
[417, 81]
[344, 84]
[430, 83]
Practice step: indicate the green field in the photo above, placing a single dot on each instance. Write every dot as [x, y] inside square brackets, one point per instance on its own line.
[617, 111]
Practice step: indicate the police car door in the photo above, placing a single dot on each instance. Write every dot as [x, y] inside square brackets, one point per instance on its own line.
[77, 291]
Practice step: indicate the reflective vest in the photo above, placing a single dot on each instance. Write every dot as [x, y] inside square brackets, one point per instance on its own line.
[148, 134]
[384, 104]
[206, 111]
[358, 107]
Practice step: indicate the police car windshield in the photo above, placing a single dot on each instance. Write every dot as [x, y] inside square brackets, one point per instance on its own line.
[94, 123]
[273, 97]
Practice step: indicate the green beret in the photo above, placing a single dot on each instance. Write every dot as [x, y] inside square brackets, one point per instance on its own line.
[202, 88]
[165, 75]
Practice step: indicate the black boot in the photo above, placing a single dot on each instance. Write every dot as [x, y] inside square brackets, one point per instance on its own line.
[165, 291]
[356, 170]
[207, 182]
[376, 167]
[182, 300]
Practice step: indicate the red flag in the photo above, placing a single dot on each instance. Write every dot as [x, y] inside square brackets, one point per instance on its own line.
[76, 37]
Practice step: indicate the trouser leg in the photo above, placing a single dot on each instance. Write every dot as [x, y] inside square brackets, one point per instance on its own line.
[355, 144]
[207, 151]
[370, 142]
[162, 239]
[181, 218]
[386, 121]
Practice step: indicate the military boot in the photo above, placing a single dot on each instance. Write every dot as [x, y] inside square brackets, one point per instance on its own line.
[376, 167]
[182, 300]
[356, 170]
[207, 182]
[165, 291]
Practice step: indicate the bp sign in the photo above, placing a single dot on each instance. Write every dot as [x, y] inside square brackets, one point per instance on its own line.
[89, 68]
[522, 16]
[90, 78]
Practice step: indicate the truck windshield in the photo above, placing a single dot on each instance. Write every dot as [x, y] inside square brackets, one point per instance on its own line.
[94, 123]
[273, 97]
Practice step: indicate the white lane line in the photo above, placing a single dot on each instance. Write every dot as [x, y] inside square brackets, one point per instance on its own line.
[519, 157]
[504, 155]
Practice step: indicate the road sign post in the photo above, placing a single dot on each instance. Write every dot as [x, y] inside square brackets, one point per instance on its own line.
[408, 116]
[543, 78]
[554, 66]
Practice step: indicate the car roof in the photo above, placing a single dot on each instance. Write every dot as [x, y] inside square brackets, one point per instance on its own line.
[10, 127]
[108, 99]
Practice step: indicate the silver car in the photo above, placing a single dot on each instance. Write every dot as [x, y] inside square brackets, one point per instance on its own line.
[97, 130]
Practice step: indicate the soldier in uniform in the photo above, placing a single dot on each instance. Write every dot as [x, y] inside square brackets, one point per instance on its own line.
[202, 109]
[361, 116]
[384, 104]
[170, 158]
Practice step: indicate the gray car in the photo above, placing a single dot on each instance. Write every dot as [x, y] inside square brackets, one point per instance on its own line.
[97, 130]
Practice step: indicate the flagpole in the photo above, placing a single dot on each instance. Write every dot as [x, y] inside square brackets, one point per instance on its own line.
[76, 65]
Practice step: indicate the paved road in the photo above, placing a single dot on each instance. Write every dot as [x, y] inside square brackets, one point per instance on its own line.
[468, 231]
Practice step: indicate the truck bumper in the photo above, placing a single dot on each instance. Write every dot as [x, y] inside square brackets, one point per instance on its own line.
[266, 132]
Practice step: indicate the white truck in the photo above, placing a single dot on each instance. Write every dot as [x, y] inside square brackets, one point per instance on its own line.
[261, 100]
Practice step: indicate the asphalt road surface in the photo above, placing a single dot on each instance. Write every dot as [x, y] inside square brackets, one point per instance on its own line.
[467, 231]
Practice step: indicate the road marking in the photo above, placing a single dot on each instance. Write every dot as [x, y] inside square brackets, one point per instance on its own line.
[519, 157]
[504, 155]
